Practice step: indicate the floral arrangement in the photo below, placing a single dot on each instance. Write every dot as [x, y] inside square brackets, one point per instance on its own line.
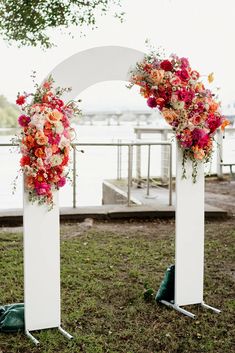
[45, 140]
[173, 87]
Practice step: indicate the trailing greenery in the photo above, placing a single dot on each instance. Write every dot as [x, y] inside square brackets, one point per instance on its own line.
[8, 113]
[28, 22]
[105, 271]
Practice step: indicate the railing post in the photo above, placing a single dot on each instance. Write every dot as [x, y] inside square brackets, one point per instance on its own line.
[119, 159]
[148, 176]
[130, 156]
[74, 176]
[219, 151]
[170, 175]
[138, 161]
[164, 158]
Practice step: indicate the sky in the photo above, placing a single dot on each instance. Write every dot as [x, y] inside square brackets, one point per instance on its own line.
[201, 30]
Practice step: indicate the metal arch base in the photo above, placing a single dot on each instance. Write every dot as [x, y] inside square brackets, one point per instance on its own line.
[188, 313]
[31, 337]
[36, 342]
[178, 308]
[65, 333]
[204, 305]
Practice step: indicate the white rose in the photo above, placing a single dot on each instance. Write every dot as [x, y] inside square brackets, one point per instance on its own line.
[64, 142]
[56, 160]
[59, 128]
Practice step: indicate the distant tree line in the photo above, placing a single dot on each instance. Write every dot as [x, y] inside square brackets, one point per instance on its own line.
[8, 113]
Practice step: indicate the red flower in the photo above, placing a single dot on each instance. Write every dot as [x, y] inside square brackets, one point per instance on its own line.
[25, 160]
[166, 65]
[20, 100]
[213, 122]
[160, 103]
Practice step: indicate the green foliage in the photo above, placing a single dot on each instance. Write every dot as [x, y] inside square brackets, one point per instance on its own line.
[28, 22]
[8, 113]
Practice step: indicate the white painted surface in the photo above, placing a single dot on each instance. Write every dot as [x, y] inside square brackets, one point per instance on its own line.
[189, 252]
[41, 265]
[94, 65]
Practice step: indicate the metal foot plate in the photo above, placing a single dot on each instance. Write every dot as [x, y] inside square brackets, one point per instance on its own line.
[31, 337]
[204, 305]
[178, 308]
[65, 333]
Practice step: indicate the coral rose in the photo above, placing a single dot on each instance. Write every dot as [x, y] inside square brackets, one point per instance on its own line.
[28, 141]
[39, 152]
[55, 115]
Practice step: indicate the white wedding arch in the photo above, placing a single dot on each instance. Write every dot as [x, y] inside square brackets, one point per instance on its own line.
[41, 228]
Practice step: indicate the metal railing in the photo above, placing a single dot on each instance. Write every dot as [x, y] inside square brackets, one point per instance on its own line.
[130, 146]
[119, 145]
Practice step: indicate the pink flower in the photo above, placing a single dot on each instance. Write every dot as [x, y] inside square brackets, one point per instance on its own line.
[23, 120]
[183, 74]
[61, 182]
[185, 138]
[42, 188]
[152, 102]
[185, 95]
[184, 63]
[200, 137]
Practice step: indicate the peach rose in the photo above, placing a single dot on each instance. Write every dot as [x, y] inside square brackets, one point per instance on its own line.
[41, 138]
[157, 75]
[198, 153]
[169, 114]
[29, 182]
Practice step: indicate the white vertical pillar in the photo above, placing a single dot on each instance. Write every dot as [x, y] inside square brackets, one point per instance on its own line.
[189, 252]
[41, 265]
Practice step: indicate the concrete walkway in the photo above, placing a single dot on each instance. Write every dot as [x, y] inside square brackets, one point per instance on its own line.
[14, 217]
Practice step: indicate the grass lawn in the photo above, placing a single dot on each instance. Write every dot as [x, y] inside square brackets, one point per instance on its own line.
[104, 269]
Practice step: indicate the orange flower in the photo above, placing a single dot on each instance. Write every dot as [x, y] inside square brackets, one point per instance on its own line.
[46, 98]
[199, 87]
[210, 77]
[29, 182]
[28, 141]
[39, 152]
[145, 92]
[225, 123]
[54, 148]
[169, 114]
[198, 153]
[213, 107]
[55, 115]
[41, 138]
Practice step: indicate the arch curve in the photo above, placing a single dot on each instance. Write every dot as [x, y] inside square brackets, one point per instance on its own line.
[91, 66]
